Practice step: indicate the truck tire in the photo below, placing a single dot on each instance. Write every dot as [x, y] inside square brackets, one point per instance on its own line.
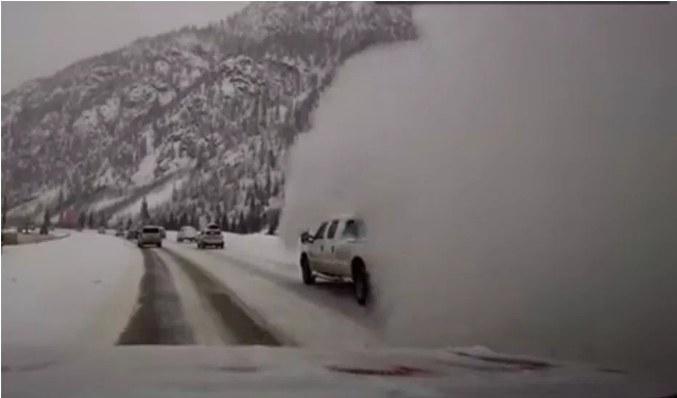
[159, 245]
[306, 272]
[361, 282]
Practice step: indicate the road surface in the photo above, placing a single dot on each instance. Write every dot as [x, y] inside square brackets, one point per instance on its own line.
[91, 290]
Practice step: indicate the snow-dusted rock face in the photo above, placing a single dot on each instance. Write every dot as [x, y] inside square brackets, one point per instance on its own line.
[220, 102]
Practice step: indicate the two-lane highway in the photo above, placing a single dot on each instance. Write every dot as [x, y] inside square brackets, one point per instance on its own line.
[179, 304]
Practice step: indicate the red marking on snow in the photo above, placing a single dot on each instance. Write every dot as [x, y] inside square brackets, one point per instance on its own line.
[611, 370]
[523, 363]
[236, 369]
[398, 371]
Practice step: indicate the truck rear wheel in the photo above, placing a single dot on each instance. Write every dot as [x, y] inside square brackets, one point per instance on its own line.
[361, 282]
[306, 272]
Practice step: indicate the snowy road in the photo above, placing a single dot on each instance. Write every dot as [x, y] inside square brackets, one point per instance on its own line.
[261, 273]
[91, 290]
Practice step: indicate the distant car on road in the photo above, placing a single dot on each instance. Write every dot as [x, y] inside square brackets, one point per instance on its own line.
[186, 233]
[163, 232]
[132, 234]
[10, 236]
[102, 230]
[211, 236]
[336, 250]
[119, 232]
[149, 235]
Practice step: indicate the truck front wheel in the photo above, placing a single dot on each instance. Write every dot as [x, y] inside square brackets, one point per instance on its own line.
[306, 272]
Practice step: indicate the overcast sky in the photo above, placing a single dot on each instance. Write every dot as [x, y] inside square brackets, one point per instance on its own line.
[40, 38]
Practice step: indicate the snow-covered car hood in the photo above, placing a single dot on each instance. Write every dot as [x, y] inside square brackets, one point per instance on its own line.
[201, 371]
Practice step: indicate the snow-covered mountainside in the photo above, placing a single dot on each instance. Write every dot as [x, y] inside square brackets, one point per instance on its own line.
[198, 117]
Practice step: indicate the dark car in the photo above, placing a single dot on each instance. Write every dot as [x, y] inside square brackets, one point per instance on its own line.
[132, 234]
[149, 235]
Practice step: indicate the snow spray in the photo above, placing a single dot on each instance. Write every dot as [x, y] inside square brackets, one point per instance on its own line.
[516, 171]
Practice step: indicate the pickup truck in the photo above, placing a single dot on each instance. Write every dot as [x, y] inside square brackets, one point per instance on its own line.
[335, 250]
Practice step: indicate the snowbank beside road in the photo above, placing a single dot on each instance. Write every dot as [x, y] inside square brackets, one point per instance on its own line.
[53, 292]
[265, 247]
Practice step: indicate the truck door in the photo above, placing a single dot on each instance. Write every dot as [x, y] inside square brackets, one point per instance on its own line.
[316, 250]
[350, 233]
[332, 239]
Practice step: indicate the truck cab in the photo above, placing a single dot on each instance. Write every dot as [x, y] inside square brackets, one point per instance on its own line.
[335, 250]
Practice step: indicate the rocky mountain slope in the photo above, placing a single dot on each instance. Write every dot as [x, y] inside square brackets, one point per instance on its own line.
[196, 120]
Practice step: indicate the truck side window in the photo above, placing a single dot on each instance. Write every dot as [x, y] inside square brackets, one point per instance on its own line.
[353, 229]
[332, 229]
[320, 231]
[350, 231]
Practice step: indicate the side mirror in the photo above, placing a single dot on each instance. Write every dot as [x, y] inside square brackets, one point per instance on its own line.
[306, 238]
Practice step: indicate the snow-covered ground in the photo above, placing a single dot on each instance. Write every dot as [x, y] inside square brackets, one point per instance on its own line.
[259, 372]
[80, 291]
[30, 206]
[76, 290]
[158, 196]
[262, 246]
[105, 202]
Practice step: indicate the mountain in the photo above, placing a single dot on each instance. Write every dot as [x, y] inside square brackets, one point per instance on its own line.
[193, 122]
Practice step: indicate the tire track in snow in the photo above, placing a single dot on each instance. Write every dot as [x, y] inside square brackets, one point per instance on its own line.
[159, 317]
[241, 328]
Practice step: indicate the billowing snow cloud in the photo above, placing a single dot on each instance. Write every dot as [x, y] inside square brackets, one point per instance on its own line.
[516, 169]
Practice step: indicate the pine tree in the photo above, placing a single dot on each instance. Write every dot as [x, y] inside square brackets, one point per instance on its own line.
[216, 211]
[184, 219]
[234, 227]
[5, 206]
[129, 223]
[224, 222]
[82, 220]
[241, 224]
[269, 185]
[273, 220]
[171, 221]
[145, 216]
[275, 190]
[46, 220]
